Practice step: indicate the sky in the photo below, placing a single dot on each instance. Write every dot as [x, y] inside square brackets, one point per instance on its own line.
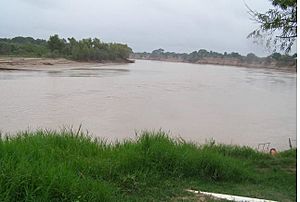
[145, 25]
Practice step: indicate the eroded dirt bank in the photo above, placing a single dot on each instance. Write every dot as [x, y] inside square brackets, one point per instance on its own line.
[20, 63]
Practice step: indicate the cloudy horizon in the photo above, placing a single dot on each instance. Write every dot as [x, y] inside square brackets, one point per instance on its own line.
[175, 26]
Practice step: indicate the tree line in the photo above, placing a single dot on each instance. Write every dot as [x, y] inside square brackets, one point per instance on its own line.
[70, 48]
[202, 54]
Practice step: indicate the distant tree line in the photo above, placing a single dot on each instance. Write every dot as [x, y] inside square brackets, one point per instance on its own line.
[70, 48]
[204, 55]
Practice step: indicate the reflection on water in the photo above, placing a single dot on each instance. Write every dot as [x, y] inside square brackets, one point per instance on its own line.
[88, 72]
[198, 102]
[78, 72]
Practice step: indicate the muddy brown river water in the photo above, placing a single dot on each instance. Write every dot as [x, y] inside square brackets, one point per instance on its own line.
[232, 105]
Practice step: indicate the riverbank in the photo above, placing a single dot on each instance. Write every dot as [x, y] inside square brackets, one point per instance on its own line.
[260, 63]
[23, 63]
[70, 166]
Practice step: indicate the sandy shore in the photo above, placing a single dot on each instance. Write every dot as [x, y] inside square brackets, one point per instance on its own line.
[19, 63]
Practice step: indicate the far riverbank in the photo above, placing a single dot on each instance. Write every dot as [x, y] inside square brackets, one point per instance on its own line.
[275, 61]
[227, 63]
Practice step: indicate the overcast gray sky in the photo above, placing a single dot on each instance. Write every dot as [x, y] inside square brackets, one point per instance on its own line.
[174, 25]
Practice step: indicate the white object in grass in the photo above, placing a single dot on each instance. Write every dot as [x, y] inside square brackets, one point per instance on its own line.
[230, 197]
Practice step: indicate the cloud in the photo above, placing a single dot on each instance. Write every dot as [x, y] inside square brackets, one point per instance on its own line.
[143, 24]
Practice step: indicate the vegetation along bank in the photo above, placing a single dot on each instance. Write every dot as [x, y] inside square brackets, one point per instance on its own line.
[202, 56]
[70, 166]
[70, 48]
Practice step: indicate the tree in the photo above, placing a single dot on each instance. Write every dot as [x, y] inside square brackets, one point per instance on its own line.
[276, 56]
[278, 26]
[203, 53]
[56, 44]
[251, 57]
[158, 51]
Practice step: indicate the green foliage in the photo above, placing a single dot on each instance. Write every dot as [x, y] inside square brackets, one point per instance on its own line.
[68, 166]
[25, 46]
[158, 51]
[24, 40]
[82, 50]
[56, 44]
[251, 57]
[278, 25]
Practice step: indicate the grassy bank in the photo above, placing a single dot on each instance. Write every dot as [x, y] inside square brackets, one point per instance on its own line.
[63, 166]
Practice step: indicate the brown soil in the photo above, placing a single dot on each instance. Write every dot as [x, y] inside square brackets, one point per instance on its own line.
[227, 62]
[20, 63]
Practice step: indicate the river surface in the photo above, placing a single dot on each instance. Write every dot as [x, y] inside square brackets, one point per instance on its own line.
[232, 105]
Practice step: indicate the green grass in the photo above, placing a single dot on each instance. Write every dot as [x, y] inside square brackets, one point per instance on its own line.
[64, 166]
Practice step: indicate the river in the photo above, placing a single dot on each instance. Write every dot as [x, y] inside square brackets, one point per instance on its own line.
[232, 105]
